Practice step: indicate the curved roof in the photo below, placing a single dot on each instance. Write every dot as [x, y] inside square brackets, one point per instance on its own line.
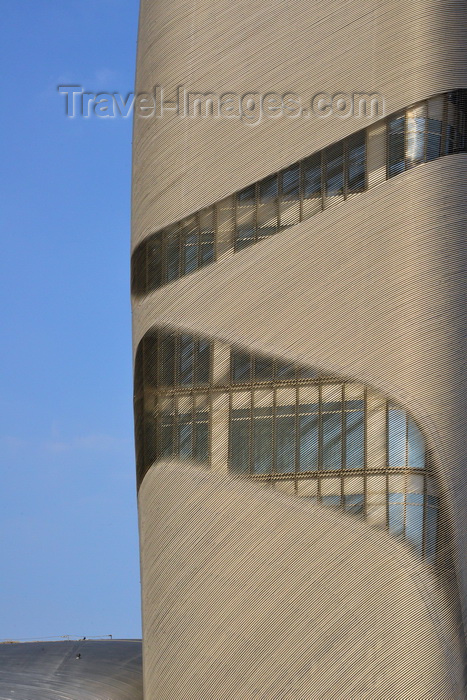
[71, 670]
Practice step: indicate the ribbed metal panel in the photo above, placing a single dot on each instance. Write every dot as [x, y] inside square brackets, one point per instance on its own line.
[249, 593]
[371, 290]
[84, 670]
[406, 51]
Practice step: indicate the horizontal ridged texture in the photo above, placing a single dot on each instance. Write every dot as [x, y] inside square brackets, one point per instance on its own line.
[84, 670]
[406, 51]
[246, 593]
[250, 593]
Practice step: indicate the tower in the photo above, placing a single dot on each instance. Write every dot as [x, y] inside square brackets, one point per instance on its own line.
[298, 315]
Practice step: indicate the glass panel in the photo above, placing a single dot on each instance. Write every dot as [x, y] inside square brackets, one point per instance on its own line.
[311, 185]
[416, 447]
[415, 123]
[308, 445]
[396, 514]
[241, 367]
[396, 144]
[172, 250]
[397, 437]
[207, 236]
[185, 435]
[332, 440]
[239, 444]
[186, 360]
[189, 241]
[414, 525]
[290, 196]
[167, 360]
[267, 207]
[356, 145]
[201, 447]
[262, 440]
[263, 369]
[285, 371]
[246, 217]
[154, 262]
[166, 429]
[225, 224]
[334, 171]
[203, 365]
[376, 500]
[307, 373]
[354, 439]
[285, 442]
[150, 346]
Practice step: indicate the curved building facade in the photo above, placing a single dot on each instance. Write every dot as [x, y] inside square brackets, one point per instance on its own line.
[299, 343]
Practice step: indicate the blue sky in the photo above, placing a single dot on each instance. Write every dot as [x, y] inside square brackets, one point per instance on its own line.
[68, 524]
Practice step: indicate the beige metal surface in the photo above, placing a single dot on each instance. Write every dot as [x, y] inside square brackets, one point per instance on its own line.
[250, 593]
[406, 51]
[372, 289]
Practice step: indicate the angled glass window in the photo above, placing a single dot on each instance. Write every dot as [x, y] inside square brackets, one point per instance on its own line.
[262, 432]
[190, 244]
[263, 369]
[356, 162]
[312, 193]
[207, 236]
[154, 261]
[241, 367]
[167, 349]
[415, 446]
[246, 218]
[416, 127]
[334, 156]
[397, 437]
[203, 362]
[268, 207]
[354, 439]
[290, 196]
[396, 144]
[172, 252]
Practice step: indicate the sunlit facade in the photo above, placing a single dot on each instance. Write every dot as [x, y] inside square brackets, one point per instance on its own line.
[298, 316]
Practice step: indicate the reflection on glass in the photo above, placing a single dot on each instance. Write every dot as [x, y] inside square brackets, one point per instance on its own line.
[285, 441]
[332, 440]
[262, 440]
[354, 439]
[239, 457]
[397, 439]
[356, 160]
[416, 446]
[308, 441]
[246, 217]
[290, 196]
[415, 124]
[396, 144]
[396, 514]
[334, 171]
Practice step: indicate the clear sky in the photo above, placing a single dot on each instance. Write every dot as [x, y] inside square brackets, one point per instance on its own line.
[68, 524]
